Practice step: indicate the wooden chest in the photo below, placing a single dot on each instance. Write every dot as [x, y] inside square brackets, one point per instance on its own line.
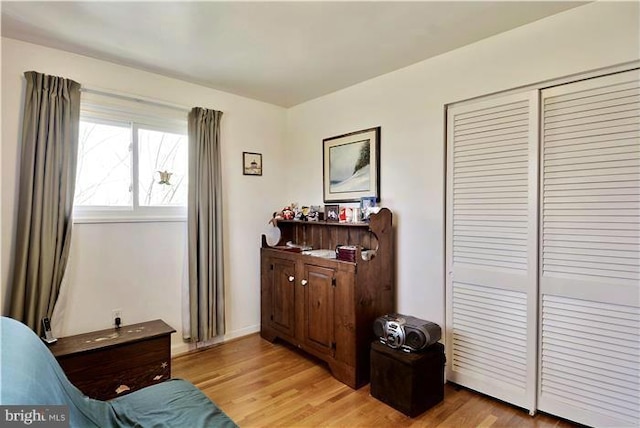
[109, 363]
[408, 382]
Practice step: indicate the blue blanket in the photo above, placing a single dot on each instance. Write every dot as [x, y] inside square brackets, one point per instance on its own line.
[30, 375]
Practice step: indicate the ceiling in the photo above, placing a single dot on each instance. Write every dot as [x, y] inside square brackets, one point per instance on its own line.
[282, 53]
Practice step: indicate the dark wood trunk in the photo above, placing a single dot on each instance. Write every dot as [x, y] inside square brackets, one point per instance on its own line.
[108, 363]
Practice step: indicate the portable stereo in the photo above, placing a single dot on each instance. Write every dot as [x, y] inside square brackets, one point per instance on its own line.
[405, 332]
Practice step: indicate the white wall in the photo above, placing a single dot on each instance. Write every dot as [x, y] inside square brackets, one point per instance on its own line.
[409, 106]
[138, 267]
[127, 266]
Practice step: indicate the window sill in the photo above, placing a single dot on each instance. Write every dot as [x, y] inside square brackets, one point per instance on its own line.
[124, 215]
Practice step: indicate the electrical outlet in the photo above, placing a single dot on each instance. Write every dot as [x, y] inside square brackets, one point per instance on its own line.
[116, 313]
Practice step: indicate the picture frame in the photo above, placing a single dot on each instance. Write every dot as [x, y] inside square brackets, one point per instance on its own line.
[332, 213]
[251, 163]
[351, 166]
[366, 204]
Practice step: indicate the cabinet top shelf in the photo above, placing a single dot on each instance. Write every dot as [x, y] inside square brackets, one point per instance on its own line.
[325, 223]
[376, 220]
[329, 234]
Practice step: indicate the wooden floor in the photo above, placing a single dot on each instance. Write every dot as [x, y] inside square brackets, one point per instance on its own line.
[258, 383]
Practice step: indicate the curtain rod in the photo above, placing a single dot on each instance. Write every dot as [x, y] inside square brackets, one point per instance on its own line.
[135, 98]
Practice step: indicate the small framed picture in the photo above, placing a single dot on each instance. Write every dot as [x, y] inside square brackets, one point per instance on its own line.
[366, 205]
[332, 213]
[251, 163]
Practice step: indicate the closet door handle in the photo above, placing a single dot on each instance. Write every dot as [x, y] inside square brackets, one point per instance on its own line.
[291, 278]
[304, 282]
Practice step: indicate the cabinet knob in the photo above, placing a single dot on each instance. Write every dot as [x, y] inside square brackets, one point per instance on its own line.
[304, 282]
[291, 278]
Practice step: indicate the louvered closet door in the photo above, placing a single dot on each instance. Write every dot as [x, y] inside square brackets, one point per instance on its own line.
[492, 247]
[590, 251]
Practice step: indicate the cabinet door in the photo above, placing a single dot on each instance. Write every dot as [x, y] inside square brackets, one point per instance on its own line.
[282, 307]
[318, 284]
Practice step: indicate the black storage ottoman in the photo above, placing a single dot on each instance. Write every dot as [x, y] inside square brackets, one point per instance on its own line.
[408, 382]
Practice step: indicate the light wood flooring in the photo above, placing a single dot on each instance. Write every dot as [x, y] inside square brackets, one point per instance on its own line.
[260, 384]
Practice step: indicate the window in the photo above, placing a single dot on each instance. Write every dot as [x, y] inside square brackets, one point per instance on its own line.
[131, 166]
[162, 168]
[103, 176]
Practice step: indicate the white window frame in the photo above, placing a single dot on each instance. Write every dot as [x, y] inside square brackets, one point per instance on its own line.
[118, 110]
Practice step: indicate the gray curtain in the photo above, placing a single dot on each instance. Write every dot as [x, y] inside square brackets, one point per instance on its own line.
[206, 273]
[45, 200]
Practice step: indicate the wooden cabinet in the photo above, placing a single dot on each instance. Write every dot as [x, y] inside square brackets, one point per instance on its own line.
[325, 306]
[108, 363]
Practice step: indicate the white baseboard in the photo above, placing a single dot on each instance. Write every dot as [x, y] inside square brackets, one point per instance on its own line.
[179, 349]
[183, 348]
[242, 332]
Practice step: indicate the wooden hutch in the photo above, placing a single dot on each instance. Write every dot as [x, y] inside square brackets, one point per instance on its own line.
[326, 306]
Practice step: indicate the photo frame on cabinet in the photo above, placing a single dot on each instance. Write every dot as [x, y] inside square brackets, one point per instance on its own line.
[367, 203]
[351, 166]
[332, 213]
[251, 163]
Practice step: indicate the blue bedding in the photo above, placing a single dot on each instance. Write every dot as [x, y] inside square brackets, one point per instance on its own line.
[30, 375]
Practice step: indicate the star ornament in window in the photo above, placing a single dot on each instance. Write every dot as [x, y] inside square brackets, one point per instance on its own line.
[165, 176]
